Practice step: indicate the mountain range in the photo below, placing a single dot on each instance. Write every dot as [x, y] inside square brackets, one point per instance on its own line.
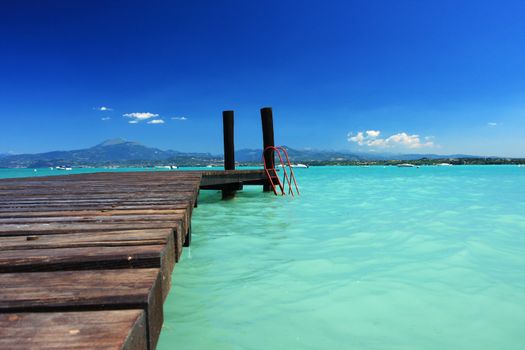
[120, 152]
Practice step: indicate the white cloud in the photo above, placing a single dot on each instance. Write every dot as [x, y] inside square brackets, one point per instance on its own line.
[359, 138]
[362, 138]
[179, 118]
[492, 124]
[410, 141]
[102, 108]
[156, 121]
[139, 116]
[105, 118]
[370, 138]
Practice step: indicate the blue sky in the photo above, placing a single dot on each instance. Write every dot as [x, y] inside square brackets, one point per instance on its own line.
[380, 76]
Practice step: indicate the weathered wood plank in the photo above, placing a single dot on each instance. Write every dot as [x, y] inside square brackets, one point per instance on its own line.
[16, 209]
[75, 227]
[85, 213]
[87, 239]
[93, 258]
[179, 214]
[101, 330]
[43, 240]
[86, 291]
[88, 194]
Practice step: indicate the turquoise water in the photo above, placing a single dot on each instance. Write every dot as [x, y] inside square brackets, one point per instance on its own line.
[365, 258]
[6, 173]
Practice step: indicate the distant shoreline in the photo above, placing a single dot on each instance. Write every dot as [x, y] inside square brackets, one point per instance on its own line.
[218, 166]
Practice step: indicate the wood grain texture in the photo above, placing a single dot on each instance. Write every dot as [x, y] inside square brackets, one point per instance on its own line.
[93, 254]
[101, 330]
[160, 256]
[86, 239]
[86, 291]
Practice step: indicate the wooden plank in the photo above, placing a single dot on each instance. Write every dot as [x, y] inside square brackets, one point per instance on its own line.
[101, 330]
[115, 196]
[96, 239]
[75, 227]
[93, 258]
[6, 208]
[86, 291]
[83, 185]
[215, 178]
[85, 213]
[179, 214]
[86, 258]
[86, 223]
[87, 239]
[45, 194]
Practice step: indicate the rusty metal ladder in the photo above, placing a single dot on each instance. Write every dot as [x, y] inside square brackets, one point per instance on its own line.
[273, 176]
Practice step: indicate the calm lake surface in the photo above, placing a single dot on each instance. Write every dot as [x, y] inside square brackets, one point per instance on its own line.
[365, 258]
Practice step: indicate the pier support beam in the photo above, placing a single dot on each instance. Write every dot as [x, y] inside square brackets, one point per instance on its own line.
[268, 140]
[229, 151]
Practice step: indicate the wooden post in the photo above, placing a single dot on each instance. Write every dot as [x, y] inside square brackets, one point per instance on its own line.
[267, 128]
[229, 151]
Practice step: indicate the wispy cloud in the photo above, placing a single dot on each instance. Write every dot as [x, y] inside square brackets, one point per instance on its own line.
[105, 118]
[370, 138]
[179, 118]
[492, 124]
[139, 116]
[102, 108]
[156, 121]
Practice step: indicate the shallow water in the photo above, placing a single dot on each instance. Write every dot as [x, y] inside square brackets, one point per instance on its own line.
[365, 258]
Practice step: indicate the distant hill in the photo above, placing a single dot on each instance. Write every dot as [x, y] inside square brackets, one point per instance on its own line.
[120, 152]
[297, 155]
[110, 152]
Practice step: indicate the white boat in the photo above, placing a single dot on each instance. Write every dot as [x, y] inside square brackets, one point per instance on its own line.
[170, 167]
[62, 167]
[406, 165]
[299, 165]
[444, 164]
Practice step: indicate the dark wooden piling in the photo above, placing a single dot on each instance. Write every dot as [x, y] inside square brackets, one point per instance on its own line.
[268, 139]
[229, 148]
[229, 152]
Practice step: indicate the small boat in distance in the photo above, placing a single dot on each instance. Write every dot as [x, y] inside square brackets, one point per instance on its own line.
[444, 164]
[406, 165]
[170, 167]
[63, 167]
[299, 165]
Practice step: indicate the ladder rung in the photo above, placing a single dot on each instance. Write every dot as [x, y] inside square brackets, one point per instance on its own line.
[275, 176]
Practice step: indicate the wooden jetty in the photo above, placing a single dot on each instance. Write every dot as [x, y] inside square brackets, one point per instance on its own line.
[86, 260]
